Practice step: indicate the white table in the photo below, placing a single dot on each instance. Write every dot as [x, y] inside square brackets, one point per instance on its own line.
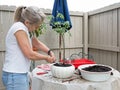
[47, 82]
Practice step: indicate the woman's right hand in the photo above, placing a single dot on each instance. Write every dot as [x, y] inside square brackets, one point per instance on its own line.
[50, 59]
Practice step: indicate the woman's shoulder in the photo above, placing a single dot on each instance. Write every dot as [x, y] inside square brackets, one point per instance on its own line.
[19, 26]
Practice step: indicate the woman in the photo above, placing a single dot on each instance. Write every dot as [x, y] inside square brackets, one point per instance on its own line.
[19, 50]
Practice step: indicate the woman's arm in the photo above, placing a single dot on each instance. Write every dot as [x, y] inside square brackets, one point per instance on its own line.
[39, 45]
[27, 50]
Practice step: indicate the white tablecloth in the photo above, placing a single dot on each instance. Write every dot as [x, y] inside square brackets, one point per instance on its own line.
[47, 82]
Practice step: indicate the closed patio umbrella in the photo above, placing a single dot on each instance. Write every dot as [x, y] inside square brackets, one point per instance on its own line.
[60, 6]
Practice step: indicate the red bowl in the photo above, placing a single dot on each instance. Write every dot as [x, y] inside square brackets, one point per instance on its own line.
[82, 61]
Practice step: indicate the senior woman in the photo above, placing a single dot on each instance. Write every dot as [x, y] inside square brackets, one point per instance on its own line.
[19, 50]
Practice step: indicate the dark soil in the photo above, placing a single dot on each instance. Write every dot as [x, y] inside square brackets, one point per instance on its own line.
[62, 64]
[97, 68]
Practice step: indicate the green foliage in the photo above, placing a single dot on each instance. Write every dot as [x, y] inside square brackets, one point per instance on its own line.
[60, 26]
[39, 31]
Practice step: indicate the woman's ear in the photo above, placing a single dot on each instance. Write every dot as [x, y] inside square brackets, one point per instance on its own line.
[26, 22]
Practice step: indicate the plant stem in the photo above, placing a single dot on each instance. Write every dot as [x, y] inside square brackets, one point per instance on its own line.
[60, 47]
[63, 39]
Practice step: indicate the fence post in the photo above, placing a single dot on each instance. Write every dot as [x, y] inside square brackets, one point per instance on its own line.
[85, 33]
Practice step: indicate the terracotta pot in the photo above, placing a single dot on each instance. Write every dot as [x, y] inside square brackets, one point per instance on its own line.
[35, 49]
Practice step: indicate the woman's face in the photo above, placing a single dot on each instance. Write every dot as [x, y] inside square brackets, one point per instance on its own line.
[32, 27]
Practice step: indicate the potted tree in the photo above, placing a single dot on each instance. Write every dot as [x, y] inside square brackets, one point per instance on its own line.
[61, 28]
[61, 69]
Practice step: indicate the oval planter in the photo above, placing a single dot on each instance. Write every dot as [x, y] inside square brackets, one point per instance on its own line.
[62, 70]
[95, 72]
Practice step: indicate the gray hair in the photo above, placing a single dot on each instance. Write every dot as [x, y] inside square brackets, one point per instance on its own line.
[32, 14]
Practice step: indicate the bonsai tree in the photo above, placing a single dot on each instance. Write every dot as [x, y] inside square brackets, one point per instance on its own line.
[61, 27]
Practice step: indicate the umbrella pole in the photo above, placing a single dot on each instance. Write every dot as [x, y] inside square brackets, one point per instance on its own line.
[60, 47]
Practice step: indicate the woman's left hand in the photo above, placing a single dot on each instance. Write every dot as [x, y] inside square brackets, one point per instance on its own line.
[52, 55]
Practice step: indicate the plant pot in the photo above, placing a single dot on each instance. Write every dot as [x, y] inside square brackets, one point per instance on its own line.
[95, 72]
[61, 70]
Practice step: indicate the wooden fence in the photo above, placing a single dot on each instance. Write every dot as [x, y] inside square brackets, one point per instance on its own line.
[104, 35]
[96, 32]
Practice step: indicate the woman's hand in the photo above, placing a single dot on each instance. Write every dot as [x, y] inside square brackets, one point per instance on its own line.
[52, 55]
[50, 59]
